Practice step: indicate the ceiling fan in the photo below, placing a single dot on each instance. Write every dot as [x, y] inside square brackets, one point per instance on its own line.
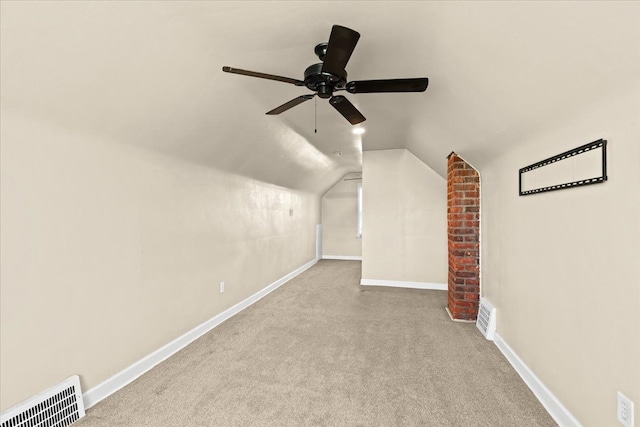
[330, 76]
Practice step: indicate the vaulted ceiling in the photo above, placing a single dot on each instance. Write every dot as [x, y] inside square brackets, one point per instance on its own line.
[149, 74]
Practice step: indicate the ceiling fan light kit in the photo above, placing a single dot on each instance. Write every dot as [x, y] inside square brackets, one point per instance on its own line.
[330, 76]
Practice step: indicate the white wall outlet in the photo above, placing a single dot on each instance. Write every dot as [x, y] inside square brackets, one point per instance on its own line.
[290, 211]
[222, 287]
[625, 410]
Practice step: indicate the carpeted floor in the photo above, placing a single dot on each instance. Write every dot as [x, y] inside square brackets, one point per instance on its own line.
[322, 351]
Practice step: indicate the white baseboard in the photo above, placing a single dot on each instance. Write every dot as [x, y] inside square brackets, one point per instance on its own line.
[343, 257]
[400, 284]
[556, 409]
[126, 376]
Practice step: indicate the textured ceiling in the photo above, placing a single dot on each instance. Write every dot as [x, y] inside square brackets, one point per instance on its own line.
[149, 74]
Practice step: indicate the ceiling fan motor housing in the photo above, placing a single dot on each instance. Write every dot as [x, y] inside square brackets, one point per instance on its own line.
[322, 82]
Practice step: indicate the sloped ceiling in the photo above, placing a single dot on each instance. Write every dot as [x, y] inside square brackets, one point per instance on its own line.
[149, 74]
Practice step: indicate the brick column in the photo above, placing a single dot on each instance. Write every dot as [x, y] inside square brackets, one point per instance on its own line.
[463, 231]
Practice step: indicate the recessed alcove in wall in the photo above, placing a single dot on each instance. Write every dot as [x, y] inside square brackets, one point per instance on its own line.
[340, 239]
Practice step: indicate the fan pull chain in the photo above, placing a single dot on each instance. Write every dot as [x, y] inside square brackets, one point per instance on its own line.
[315, 104]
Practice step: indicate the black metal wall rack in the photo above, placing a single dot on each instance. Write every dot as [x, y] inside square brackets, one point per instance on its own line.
[601, 143]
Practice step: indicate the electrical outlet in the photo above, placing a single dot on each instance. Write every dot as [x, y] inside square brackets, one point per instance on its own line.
[625, 410]
[222, 287]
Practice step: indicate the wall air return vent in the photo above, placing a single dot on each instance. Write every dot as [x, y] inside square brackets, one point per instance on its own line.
[59, 406]
[486, 321]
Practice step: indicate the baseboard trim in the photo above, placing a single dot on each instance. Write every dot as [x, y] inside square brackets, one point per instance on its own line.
[556, 409]
[343, 257]
[126, 376]
[401, 284]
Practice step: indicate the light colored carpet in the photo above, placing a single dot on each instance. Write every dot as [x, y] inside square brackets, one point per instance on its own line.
[322, 351]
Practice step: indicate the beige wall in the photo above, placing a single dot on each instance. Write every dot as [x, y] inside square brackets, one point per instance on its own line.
[563, 267]
[109, 252]
[339, 219]
[404, 234]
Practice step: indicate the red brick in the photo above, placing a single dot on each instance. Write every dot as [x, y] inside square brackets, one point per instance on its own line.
[459, 231]
[465, 303]
[462, 246]
[466, 274]
[471, 296]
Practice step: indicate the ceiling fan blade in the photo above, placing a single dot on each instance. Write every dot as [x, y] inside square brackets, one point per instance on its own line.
[347, 109]
[342, 41]
[284, 107]
[262, 75]
[390, 85]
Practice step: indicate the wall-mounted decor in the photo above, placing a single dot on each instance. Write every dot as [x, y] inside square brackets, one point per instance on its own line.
[584, 165]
